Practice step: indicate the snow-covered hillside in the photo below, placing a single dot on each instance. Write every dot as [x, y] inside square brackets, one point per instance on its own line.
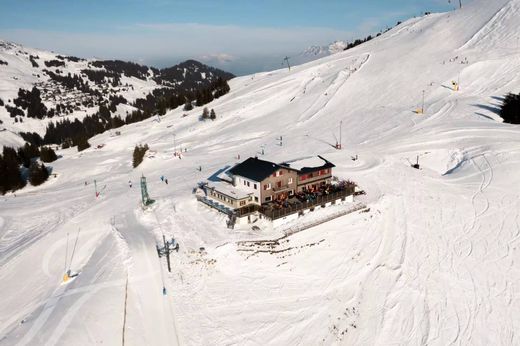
[434, 261]
[72, 87]
[312, 53]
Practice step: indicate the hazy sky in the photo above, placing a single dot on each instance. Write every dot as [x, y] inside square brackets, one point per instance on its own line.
[238, 35]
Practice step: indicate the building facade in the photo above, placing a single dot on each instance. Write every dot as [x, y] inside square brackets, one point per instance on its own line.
[259, 182]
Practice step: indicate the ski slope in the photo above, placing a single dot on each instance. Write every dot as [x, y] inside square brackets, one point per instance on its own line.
[434, 261]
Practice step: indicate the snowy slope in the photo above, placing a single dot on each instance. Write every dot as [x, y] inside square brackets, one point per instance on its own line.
[24, 68]
[433, 262]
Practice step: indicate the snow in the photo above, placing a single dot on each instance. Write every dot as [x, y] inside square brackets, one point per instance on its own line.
[433, 261]
[307, 162]
[229, 190]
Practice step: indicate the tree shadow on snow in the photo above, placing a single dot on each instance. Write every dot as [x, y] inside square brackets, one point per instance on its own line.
[498, 98]
[485, 116]
[490, 108]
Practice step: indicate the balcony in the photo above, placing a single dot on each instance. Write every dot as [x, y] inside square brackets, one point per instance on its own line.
[282, 188]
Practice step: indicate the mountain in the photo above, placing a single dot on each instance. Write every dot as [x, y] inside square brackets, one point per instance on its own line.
[58, 86]
[316, 52]
[432, 260]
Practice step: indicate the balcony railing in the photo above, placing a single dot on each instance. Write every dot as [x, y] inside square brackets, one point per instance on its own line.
[277, 213]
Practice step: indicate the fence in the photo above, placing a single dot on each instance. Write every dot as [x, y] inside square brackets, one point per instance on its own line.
[275, 214]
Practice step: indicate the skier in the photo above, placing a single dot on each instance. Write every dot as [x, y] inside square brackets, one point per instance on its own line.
[166, 181]
[130, 183]
[164, 291]
[162, 177]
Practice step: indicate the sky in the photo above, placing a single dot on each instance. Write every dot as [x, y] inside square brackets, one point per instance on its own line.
[241, 36]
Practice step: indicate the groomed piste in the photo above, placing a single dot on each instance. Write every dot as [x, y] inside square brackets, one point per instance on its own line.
[433, 260]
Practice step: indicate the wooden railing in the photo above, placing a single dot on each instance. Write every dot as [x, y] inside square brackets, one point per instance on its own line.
[274, 214]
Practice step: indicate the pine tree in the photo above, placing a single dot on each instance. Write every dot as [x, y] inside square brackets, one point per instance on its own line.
[188, 106]
[205, 113]
[26, 153]
[138, 155]
[38, 174]
[510, 111]
[82, 143]
[10, 175]
[47, 154]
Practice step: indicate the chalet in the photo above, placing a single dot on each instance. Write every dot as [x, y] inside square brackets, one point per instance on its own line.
[275, 190]
[312, 172]
[256, 181]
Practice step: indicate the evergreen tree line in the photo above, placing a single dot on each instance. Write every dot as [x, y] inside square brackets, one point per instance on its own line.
[32, 102]
[75, 132]
[32, 59]
[510, 110]
[54, 63]
[360, 41]
[18, 166]
[73, 81]
[130, 69]
[98, 76]
[138, 155]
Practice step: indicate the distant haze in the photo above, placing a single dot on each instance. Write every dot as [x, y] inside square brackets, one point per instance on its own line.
[241, 37]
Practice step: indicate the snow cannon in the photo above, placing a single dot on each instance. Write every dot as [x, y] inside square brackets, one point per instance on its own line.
[455, 86]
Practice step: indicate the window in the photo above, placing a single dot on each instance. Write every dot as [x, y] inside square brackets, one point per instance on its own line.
[279, 184]
[268, 199]
[256, 199]
[242, 203]
[291, 193]
[254, 185]
[267, 186]
[245, 182]
[248, 185]
[304, 177]
[290, 181]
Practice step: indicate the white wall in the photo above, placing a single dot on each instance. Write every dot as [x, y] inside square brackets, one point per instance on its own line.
[239, 184]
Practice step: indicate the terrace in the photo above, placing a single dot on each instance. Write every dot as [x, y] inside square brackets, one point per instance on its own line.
[301, 201]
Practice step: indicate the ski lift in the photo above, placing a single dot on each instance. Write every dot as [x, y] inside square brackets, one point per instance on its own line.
[416, 165]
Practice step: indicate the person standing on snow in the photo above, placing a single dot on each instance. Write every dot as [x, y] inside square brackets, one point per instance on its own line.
[130, 183]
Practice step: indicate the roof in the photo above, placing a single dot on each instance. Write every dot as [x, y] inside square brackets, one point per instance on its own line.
[255, 169]
[229, 190]
[308, 164]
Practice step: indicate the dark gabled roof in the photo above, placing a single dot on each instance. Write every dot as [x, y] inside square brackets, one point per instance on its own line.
[254, 169]
[303, 170]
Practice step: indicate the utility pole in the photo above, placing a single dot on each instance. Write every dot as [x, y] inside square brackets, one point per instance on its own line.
[286, 59]
[340, 130]
[168, 247]
[422, 109]
[95, 188]
[338, 144]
